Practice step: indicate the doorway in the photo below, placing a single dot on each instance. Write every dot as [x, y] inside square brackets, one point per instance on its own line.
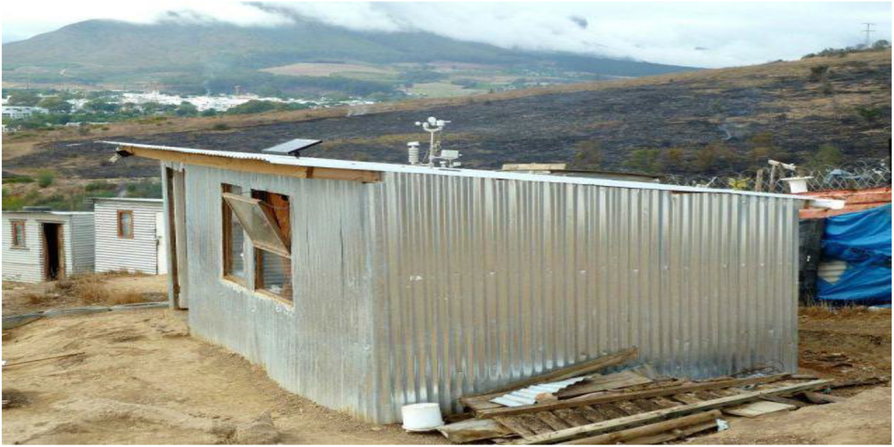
[53, 252]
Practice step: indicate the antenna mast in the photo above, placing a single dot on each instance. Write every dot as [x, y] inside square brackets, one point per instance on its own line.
[868, 31]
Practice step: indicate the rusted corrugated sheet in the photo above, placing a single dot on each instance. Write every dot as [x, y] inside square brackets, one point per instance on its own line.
[855, 200]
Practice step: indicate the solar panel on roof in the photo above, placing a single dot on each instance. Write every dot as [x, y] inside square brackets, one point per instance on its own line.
[292, 147]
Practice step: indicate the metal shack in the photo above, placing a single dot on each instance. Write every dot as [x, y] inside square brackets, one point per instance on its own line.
[367, 286]
[44, 245]
[130, 235]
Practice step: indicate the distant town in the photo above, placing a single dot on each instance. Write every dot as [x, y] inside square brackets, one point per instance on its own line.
[42, 109]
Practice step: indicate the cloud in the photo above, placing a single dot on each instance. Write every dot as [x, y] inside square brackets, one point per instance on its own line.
[714, 34]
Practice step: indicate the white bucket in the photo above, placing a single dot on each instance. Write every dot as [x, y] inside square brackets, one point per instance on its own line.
[422, 417]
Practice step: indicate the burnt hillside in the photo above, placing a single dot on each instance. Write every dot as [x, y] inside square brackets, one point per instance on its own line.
[712, 122]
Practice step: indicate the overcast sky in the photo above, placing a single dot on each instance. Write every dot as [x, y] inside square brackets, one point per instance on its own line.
[714, 34]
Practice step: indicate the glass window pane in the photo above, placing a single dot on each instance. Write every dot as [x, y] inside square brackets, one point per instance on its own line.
[237, 249]
[256, 221]
[276, 274]
[126, 224]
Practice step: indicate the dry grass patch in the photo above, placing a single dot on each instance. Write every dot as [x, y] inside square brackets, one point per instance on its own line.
[92, 289]
[823, 311]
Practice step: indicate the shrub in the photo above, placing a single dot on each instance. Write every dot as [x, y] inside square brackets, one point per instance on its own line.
[18, 179]
[45, 177]
[100, 186]
[220, 126]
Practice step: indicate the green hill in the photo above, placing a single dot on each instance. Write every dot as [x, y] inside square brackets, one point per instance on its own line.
[187, 56]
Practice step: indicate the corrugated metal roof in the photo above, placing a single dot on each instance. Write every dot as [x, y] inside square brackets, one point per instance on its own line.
[476, 173]
[124, 199]
[54, 213]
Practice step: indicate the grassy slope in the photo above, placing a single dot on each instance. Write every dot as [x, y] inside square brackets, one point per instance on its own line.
[618, 113]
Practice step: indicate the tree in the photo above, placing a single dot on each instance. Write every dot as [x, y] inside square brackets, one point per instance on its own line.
[187, 109]
[881, 44]
[643, 160]
[100, 105]
[55, 104]
[828, 155]
[45, 177]
[24, 98]
[587, 155]
[713, 156]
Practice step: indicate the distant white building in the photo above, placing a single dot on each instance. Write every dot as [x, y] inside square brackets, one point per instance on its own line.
[21, 112]
[130, 235]
[43, 245]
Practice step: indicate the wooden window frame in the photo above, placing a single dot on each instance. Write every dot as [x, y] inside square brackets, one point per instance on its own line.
[16, 243]
[259, 277]
[263, 197]
[227, 220]
[121, 227]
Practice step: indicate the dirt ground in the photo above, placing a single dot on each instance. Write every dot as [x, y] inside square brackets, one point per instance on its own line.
[138, 377]
[141, 379]
[20, 298]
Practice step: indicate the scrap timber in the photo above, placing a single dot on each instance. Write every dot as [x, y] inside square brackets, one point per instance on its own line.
[627, 406]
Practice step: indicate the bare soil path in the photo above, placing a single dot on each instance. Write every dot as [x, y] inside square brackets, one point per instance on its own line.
[143, 380]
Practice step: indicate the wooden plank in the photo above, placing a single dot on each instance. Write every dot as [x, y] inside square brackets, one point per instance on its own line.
[619, 380]
[658, 415]
[512, 423]
[622, 396]
[649, 430]
[786, 400]
[233, 164]
[534, 424]
[680, 433]
[552, 420]
[474, 430]
[256, 166]
[687, 398]
[575, 370]
[573, 418]
[628, 407]
[664, 402]
[589, 413]
[351, 175]
[759, 408]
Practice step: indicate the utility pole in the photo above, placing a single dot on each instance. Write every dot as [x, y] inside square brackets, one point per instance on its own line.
[868, 31]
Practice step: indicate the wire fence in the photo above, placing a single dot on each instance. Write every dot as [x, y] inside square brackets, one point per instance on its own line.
[860, 175]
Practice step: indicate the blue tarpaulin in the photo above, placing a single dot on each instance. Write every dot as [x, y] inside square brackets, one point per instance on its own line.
[863, 241]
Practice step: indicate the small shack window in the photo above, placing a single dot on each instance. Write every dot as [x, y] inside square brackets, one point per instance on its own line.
[125, 224]
[18, 233]
[265, 219]
[233, 240]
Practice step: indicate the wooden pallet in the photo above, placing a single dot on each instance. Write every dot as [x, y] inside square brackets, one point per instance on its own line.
[568, 423]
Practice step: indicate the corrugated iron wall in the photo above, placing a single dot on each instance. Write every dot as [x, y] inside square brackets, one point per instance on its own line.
[139, 253]
[321, 346]
[427, 287]
[482, 282]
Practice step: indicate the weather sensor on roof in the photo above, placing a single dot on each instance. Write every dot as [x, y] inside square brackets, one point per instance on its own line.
[292, 147]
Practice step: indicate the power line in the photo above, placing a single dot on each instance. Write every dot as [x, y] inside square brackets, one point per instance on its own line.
[868, 30]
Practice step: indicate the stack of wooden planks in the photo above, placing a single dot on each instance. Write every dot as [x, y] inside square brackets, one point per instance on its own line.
[624, 407]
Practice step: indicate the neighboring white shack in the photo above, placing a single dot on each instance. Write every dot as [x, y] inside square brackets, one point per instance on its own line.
[130, 235]
[43, 245]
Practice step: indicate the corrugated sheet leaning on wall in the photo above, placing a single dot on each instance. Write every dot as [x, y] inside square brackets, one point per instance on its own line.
[427, 287]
